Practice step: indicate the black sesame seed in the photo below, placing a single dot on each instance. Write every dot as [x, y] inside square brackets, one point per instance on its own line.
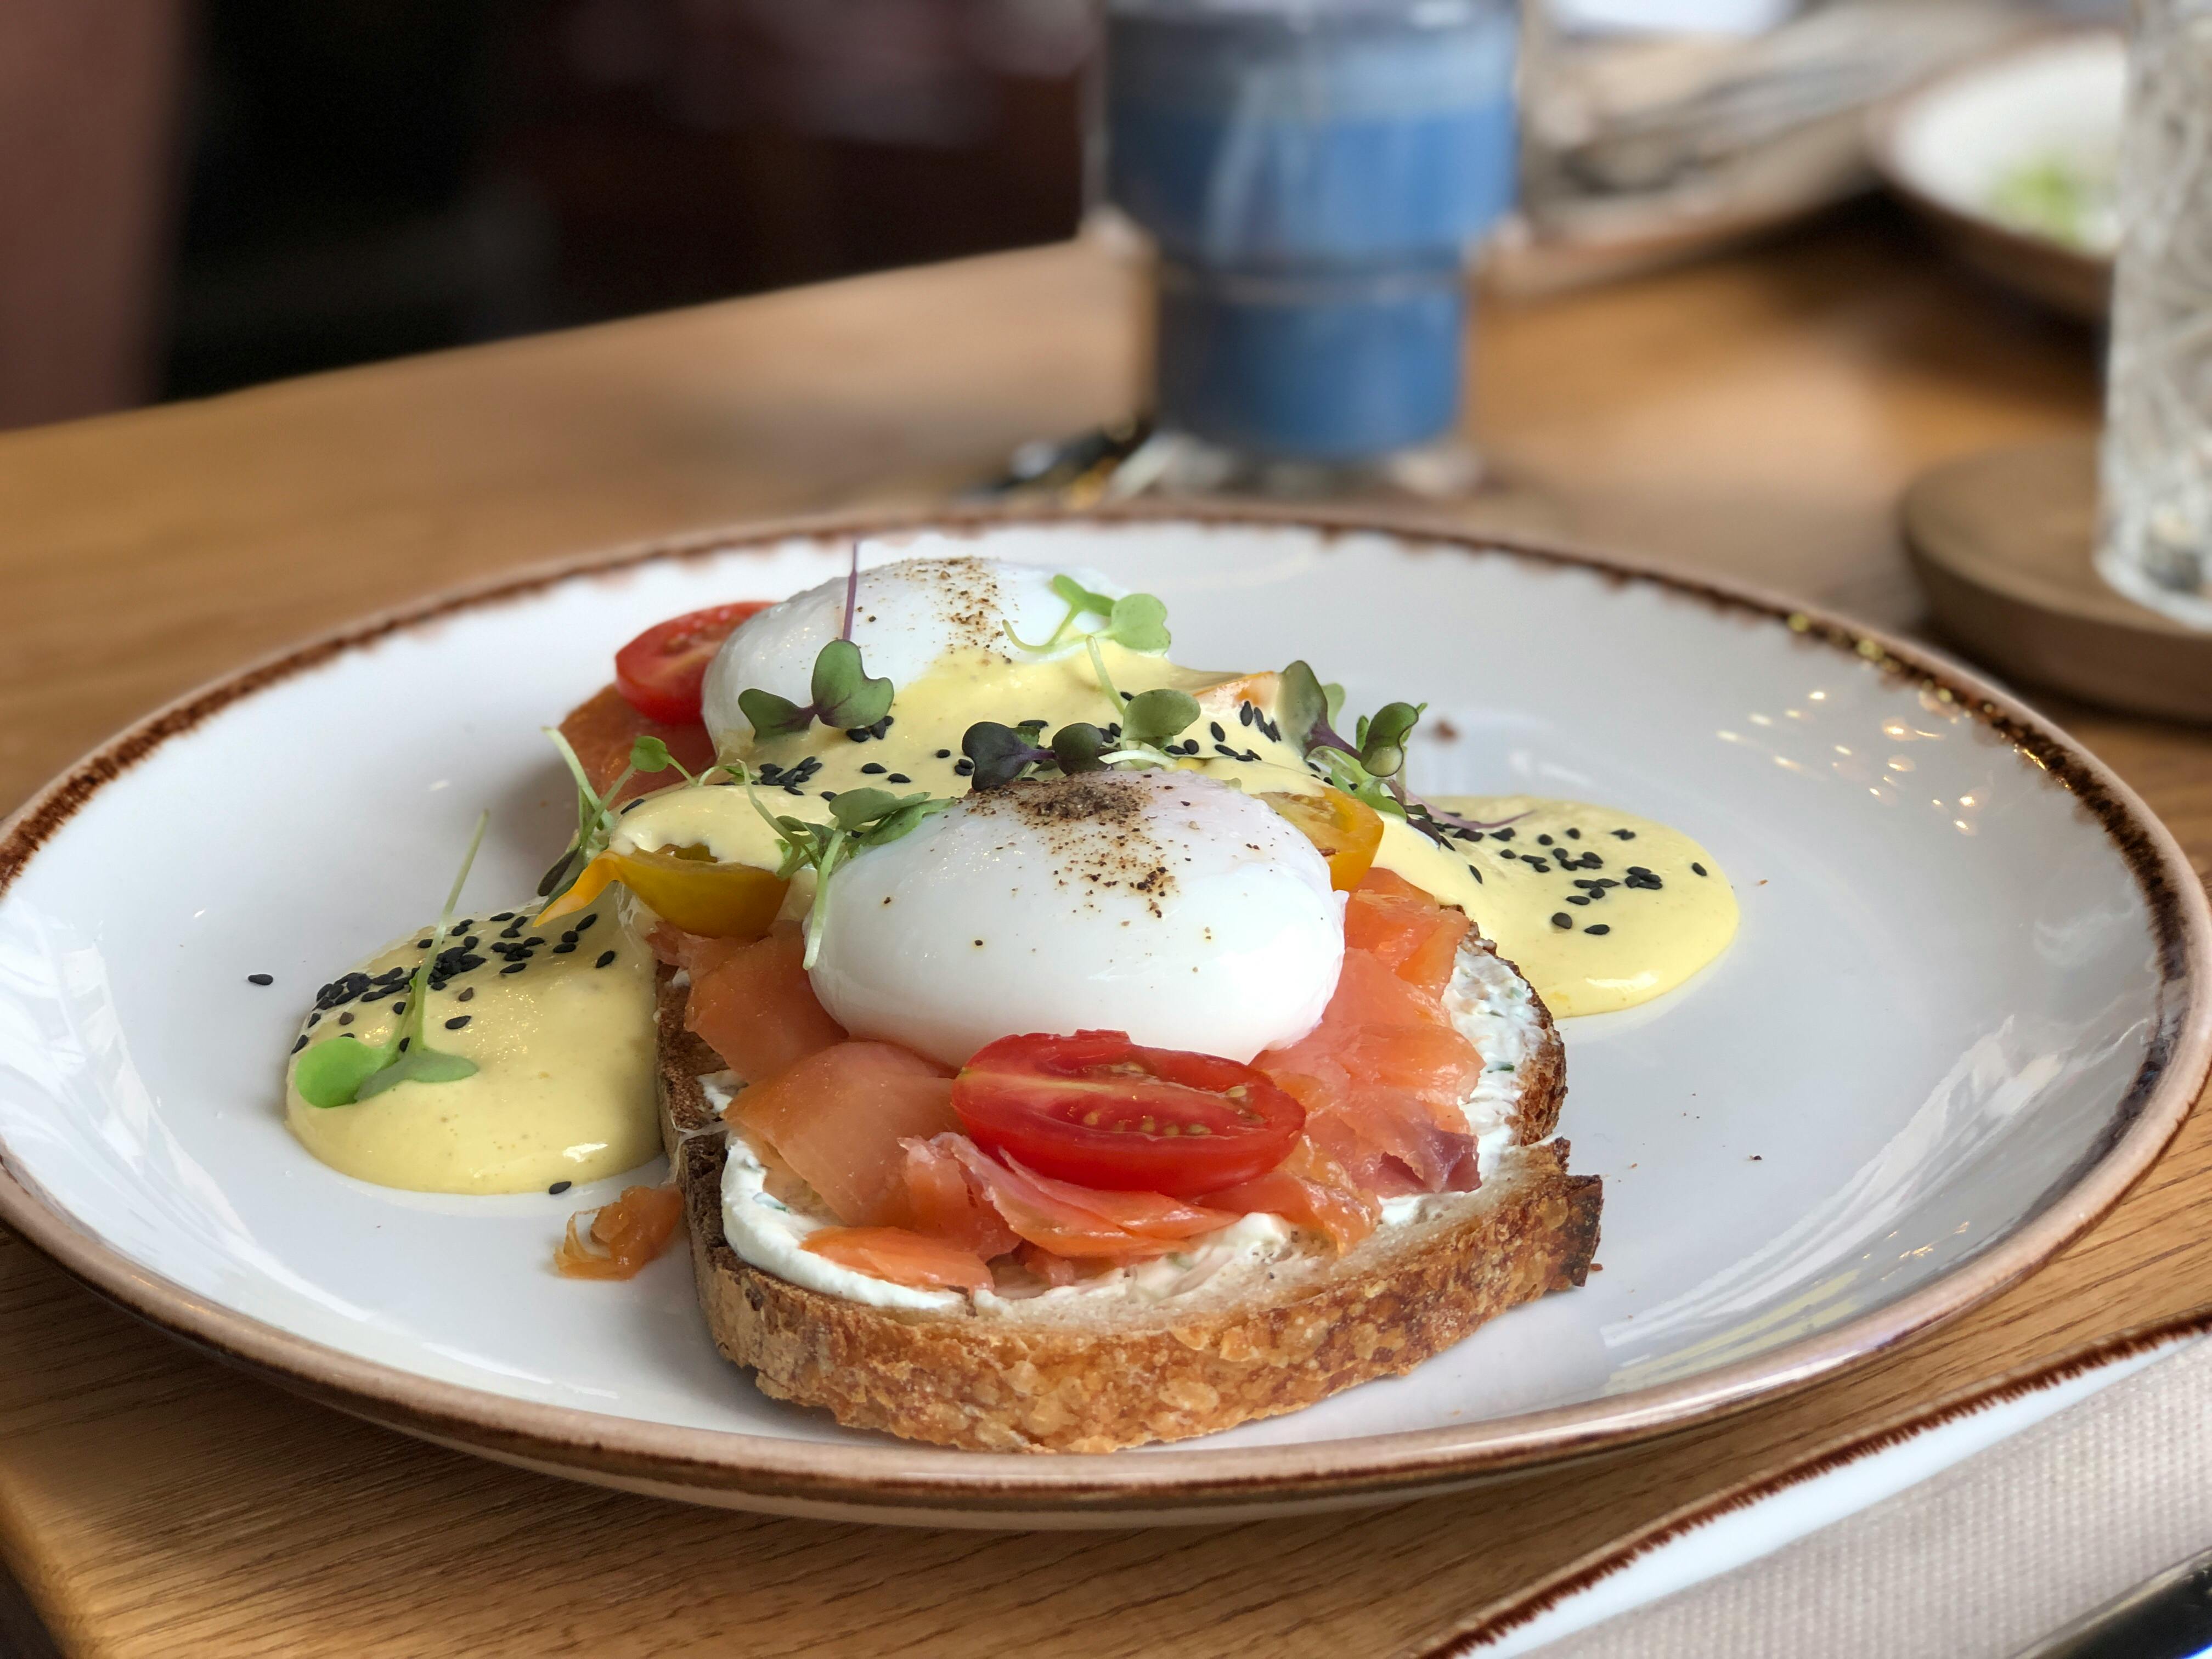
[1220, 736]
[1537, 866]
[1501, 834]
[587, 921]
[828, 794]
[563, 949]
[261, 979]
[466, 993]
[458, 1021]
[515, 966]
[605, 957]
[569, 937]
[1245, 712]
[301, 1044]
[1598, 927]
[346, 1018]
[1225, 752]
[1578, 898]
[504, 916]
[1561, 919]
[1543, 841]
[403, 1042]
[874, 768]
[1696, 869]
[1624, 835]
[1574, 835]
[945, 754]
[963, 767]
[559, 1187]
[898, 777]
[399, 1007]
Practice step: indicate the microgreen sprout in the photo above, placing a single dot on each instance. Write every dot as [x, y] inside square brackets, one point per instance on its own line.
[997, 755]
[1137, 620]
[859, 819]
[844, 697]
[1372, 765]
[344, 1070]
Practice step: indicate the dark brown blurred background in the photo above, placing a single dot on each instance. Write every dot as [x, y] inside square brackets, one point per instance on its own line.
[202, 194]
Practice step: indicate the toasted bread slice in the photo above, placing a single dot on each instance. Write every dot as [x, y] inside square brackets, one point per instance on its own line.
[1049, 1376]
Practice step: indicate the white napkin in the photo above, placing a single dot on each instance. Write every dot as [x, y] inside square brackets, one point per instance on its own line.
[1978, 1562]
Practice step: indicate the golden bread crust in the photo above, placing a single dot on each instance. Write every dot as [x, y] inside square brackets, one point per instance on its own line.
[961, 1379]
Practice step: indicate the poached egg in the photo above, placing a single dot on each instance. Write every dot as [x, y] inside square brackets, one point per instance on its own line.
[908, 618]
[1162, 904]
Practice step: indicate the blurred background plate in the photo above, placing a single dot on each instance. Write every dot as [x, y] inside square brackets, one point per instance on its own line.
[2013, 157]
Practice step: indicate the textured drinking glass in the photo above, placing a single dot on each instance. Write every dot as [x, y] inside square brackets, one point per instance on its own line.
[2156, 541]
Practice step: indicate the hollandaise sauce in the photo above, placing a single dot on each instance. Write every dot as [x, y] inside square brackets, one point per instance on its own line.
[1600, 909]
[559, 1024]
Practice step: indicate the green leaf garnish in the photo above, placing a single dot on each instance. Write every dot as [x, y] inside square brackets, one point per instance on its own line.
[772, 716]
[343, 1071]
[1083, 598]
[843, 694]
[999, 754]
[1301, 705]
[859, 819]
[332, 1072]
[1137, 621]
[1382, 737]
[1078, 748]
[1153, 717]
[648, 755]
[418, 1066]
[1140, 621]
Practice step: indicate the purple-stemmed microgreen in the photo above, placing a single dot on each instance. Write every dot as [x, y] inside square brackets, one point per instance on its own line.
[1372, 765]
[998, 754]
[844, 697]
[342, 1070]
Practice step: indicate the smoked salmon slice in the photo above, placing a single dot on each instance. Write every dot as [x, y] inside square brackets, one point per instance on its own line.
[754, 1006]
[901, 1256]
[839, 1118]
[1081, 1221]
[1308, 1189]
[629, 1232]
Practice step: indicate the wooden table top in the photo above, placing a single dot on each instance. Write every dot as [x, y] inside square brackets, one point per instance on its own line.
[1756, 416]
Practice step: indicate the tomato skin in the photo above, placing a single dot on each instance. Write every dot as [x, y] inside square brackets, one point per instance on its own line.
[660, 673]
[1098, 1110]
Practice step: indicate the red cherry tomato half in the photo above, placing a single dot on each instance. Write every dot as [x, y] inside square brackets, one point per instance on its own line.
[1097, 1109]
[659, 672]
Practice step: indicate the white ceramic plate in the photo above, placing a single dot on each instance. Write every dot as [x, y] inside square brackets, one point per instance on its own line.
[1950, 146]
[1966, 1008]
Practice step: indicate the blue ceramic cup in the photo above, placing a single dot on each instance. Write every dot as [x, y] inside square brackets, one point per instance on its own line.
[1313, 176]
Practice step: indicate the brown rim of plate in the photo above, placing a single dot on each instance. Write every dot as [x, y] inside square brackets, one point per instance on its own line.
[1469, 1636]
[887, 1478]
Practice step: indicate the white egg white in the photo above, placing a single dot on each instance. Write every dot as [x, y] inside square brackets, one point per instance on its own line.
[1163, 904]
[907, 617]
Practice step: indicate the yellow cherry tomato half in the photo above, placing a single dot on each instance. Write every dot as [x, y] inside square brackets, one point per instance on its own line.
[1346, 831]
[684, 886]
